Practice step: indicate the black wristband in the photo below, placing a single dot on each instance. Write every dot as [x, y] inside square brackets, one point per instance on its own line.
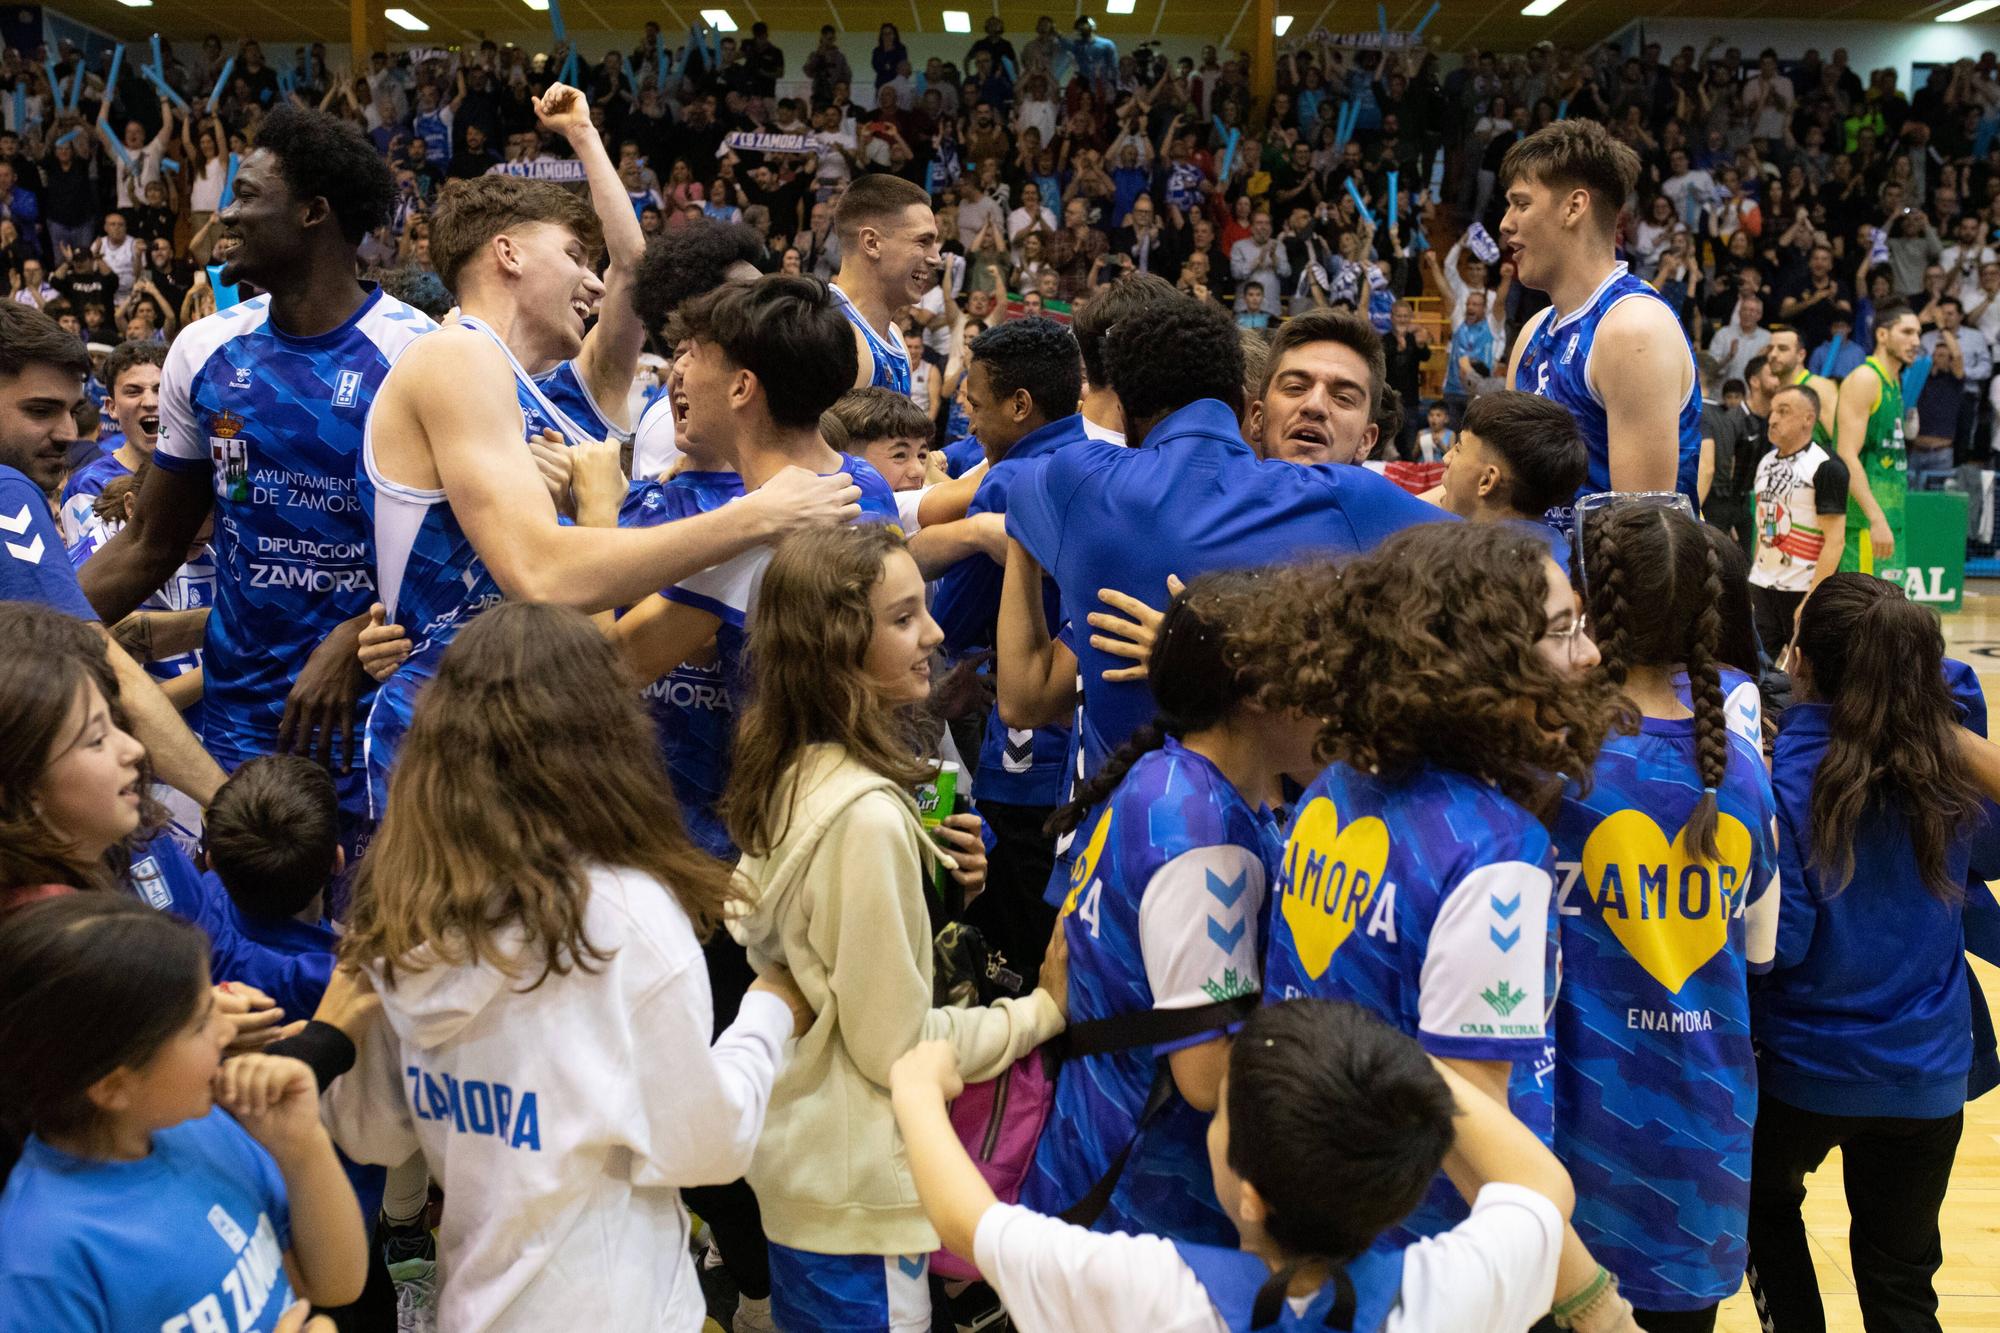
[325, 1049]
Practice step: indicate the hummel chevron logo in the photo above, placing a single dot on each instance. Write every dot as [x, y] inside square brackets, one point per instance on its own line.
[31, 553]
[1228, 891]
[1507, 941]
[1225, 940]
[1507, 908]
[17, 524]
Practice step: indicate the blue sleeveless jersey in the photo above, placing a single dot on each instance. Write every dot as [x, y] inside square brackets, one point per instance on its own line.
[564, 387]
[1655, 1080]
[1425, 901]
[433, 581]
[276, 423]
[1232, 1279]
[1173, 825]
[435, 131]
[1555, 363]
[694, 705]
[892, 363]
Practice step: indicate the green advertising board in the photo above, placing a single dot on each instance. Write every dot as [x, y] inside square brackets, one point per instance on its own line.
[1935, 524]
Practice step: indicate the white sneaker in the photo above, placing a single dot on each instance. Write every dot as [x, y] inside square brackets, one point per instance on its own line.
[753, 1316]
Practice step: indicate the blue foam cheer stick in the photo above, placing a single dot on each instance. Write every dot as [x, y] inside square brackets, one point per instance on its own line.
[556, 21]
[229, 181]
[73, 134]
[166, 89]
[1229, 153]
[221, 82]
[1382, 19]
[1360, 203]
[158, 63]
[1393, 214]
[117, 63]
[1424, 22]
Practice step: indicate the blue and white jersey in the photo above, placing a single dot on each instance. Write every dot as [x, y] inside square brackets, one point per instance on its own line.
[1023, 766]
[192, 587]
[1233, 1278]
[1424, 900]
[1742, 703]
[564, 387]
[191, 1236]
[80, 492]
[276, 423]
[1655, 1080]
[434, 128]
[433, 581]
[33, 567]
[1162, 913]
[728, 591]
[892, 361]
[694, 705]
[1555, 364]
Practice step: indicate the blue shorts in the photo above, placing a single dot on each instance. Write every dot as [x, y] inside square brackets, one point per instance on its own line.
[849, 1293]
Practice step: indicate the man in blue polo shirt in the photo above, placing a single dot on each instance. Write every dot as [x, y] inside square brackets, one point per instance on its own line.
[42, 371]
[1021, 394]
[1188, 497]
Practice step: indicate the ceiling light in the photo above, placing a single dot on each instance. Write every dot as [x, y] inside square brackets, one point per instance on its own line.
[539, 6]
[719, 20]
[405, 20]
[1118, 6]
[1542, 7]
[957, 20]
[1966, 11]
[1282, 25]
[136, 4]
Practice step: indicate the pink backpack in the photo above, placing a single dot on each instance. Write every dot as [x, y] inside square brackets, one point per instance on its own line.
[1000, 1121]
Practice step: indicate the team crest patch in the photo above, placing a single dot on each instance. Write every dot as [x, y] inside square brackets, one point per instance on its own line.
[230, 456]
[347, 389]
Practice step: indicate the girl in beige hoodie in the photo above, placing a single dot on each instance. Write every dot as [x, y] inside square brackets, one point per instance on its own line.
[835, 865]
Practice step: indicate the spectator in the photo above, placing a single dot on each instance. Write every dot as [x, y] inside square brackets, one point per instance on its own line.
[1973, 353]
[889, 56]
[1734, 345]
[1813, 298]
[827, 66]
[475, 159]
[1476, 343]
[1259, 259]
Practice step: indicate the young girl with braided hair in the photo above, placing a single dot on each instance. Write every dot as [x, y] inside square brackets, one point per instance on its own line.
[1164, 910]
[1667, 898]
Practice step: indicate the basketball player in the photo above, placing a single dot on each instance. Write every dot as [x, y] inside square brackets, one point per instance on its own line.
[261, 413]
[1608, 348]
[460, 512]
[1870, 438]
[888, 259]
[1785, 358]
[593, 387]
[759, 362]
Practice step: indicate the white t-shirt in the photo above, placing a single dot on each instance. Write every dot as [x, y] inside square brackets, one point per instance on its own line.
[653, 447]
[908, 505]
[1094, 431]
[1495, 1272]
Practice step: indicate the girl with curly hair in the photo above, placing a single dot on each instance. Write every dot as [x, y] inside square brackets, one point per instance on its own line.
[1450, 673]
[1667, 899]
[1166, 896]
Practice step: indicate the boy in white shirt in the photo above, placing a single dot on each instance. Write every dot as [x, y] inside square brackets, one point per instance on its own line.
[1329, 1127]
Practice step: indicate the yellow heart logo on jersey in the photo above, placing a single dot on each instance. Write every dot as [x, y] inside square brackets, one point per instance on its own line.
[1330, 877]
[1085, 865]
[1667, 907]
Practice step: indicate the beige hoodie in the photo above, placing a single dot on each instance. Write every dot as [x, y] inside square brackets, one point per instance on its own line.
[840, 901]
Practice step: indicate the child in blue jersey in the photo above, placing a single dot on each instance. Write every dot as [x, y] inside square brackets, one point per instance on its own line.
[1329, 1127]
[1877, 816]
[151, 1185]
[1667, 898]
[1448, 671]
[1164, 912]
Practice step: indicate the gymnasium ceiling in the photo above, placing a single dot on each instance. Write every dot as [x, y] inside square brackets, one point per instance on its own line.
[1496, 24]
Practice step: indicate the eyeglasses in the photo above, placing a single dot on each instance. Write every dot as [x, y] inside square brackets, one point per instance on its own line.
[1578, 632]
